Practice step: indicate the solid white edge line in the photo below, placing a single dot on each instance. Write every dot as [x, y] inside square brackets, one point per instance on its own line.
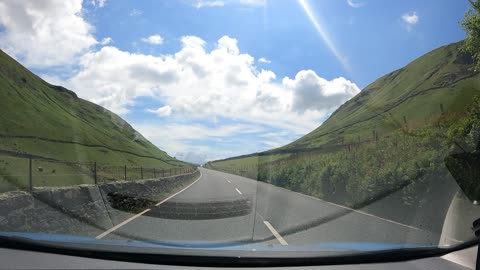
[100, 236]
[171, 196]
[238, 191]
[354, 210]
[275, 233]
[344, 207]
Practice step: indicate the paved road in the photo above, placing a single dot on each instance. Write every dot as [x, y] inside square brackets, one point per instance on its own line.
[221, 207]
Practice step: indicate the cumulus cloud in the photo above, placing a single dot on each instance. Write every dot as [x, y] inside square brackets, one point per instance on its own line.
[264, 60]
[46, 33]
[153, 39]
[198, 83]
[410, 19]
[311, 92]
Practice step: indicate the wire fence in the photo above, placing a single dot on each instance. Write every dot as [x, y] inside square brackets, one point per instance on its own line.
[26, 173]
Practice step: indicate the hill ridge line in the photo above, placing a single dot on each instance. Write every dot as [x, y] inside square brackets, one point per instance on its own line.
[324, 147]
[394, 105]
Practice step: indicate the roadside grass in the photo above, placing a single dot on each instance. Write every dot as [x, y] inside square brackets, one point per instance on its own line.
[355, 173]
[14, 173]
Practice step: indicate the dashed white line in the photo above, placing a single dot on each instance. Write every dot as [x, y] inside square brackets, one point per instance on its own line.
[229, 181]
[100, 236]
[275, 233]
[239, 192]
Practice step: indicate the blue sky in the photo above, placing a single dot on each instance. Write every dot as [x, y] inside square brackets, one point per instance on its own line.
[211, 79]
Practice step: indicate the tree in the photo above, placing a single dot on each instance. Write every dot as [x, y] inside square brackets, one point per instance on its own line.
[465, 133]
[471, 25]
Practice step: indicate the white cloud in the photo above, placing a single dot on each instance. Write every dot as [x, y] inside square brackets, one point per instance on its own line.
[201, 4]
[153, 39]
[201, 84]
[355, 4]
[176, 139]
[162, 111]
[311, 92]
[192, 156]
[106, 41]
[50, 33]
[264, 60]
[410, 19]
[135, 12]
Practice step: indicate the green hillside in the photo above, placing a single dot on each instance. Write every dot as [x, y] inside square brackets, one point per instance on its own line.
[441, 78]
[394, 135]
[51, 122]
[441, 82]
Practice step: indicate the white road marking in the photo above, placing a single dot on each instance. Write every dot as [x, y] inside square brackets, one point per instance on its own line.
[356, 211]
[275, 233]
[238, 191]
[100, 236]
[180, 191]
[229, 181]
[348, 208]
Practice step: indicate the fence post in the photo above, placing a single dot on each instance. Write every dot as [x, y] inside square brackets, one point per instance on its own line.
[163, 172]
[95, 172]
[125, 172]
[30, 180]
[154, 173]
[141, 172]
[170, 172]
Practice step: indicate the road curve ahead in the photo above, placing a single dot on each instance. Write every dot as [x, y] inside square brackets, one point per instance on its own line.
[221, 207]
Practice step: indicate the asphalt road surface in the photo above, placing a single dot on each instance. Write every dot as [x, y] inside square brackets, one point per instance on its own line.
[221, 207]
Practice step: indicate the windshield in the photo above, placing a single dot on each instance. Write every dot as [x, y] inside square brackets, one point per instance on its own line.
[333, 127]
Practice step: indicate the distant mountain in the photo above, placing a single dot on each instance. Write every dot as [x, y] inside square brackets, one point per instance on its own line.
[49, 121]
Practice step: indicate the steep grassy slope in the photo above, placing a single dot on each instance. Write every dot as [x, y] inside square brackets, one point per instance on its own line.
[412, 96]
[441, 81]
[50, 121]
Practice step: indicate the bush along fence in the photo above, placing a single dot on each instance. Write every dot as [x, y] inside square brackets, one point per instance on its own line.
[27, 172]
